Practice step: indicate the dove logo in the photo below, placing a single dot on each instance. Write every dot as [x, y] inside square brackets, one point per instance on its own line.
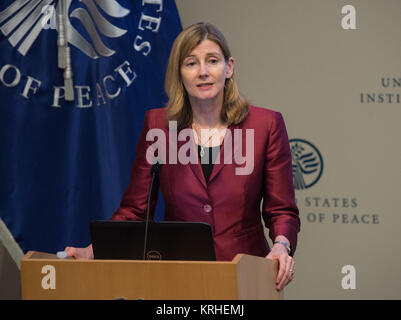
[90, 45]
[307, 163]
[92, 22]
[24, 20]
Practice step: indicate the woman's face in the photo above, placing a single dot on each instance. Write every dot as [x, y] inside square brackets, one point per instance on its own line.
[204, 72]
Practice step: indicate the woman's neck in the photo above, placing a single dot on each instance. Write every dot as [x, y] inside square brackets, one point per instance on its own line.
[207, 124]
[206, 114]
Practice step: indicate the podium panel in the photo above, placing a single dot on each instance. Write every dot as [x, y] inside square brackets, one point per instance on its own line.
[43, 276]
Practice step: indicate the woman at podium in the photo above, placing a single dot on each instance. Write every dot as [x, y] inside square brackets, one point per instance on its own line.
[240, 171]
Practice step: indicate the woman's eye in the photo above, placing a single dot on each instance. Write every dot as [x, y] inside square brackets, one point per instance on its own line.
[213, 61]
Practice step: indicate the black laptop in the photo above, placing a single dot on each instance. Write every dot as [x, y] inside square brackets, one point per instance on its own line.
[166, 240]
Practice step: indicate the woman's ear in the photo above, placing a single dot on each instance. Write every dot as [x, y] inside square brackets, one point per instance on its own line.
[230, 67]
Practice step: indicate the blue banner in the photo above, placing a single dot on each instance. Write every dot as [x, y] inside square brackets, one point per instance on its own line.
[66, 155]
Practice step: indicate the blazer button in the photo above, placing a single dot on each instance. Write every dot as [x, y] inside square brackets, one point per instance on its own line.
[207, 208]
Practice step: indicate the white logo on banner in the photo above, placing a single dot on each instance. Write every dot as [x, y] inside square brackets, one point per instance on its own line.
[24, 20]
[37, 14]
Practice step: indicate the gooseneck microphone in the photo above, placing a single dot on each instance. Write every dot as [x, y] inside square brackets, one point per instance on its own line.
[154, 171]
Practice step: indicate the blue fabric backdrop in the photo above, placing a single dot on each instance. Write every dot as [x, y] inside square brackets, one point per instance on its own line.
[64, 164]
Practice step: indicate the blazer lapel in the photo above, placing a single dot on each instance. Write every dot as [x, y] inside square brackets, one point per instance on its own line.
[197, 170]
[195, 167]
[221, 163]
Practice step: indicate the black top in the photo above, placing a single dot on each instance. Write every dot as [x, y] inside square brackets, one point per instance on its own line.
[208, 160]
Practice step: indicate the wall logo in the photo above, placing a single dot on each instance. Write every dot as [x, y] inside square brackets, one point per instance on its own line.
[307, 163]
[27, 19]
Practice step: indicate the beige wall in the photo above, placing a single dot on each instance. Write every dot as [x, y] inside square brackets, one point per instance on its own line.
[294, 56]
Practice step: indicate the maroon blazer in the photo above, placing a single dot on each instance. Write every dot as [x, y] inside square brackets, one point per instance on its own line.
[230, 203]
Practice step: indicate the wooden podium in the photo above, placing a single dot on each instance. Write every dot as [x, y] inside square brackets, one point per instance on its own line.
[43, 276]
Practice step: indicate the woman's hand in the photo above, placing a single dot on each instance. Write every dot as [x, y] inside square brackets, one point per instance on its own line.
[286, 265]
[80, 253]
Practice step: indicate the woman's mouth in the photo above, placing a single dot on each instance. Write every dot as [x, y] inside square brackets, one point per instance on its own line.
[204, 86]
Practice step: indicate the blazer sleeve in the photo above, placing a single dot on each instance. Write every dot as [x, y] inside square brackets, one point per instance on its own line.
[280, 211]
[134, 202]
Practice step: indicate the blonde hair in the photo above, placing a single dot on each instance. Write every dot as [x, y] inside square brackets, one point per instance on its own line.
[235, 108]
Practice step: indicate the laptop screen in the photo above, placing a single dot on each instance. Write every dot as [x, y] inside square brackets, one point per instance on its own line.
[167, 240]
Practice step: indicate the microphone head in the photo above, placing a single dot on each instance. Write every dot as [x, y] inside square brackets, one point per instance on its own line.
[156, 168]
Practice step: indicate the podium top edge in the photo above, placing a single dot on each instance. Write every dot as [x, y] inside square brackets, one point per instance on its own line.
[41, 256]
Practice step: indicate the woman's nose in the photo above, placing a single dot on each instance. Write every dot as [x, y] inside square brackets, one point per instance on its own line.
[203, 70]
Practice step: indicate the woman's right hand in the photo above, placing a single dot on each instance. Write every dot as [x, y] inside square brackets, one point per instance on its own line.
[80, 253]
